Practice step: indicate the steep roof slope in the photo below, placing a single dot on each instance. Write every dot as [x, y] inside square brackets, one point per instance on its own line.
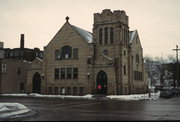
[134, 38]
[85, 34]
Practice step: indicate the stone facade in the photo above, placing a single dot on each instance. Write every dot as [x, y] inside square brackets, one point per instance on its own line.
[77, 62]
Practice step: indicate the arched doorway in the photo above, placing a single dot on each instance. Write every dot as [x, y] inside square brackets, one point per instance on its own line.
[101, 83]
[36, 83]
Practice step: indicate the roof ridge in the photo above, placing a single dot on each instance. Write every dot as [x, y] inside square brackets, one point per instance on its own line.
[82, 29]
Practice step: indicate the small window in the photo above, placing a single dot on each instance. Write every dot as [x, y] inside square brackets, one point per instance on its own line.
[57, 54]
[16, 54]
[21, 86]
[50, 90]
[75, 73]
[62, 73]
[11, 54]
[19, 70]
[124, 53]
[21, 54]
[89, 61]
[56, 90]
[62, 91]
[69, 73]
[75, 53]
[74, 90]
[56, 73]
[3, 69]
[68, 90]
[105, 52]
[124, 69]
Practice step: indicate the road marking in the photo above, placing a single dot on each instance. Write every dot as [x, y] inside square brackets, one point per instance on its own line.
[97, 114]
[65, 104]
[80, 105]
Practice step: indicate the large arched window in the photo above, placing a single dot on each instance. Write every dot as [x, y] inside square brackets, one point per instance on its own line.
[111, 35]
[100, 36]
[66, 52]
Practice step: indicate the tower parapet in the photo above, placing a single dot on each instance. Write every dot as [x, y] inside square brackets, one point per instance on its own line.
[107, 16]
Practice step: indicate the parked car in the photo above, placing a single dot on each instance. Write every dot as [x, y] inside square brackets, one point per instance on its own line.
[166, 92]
[174, 91]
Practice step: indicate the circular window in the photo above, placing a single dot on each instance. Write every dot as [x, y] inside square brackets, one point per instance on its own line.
[105, 52]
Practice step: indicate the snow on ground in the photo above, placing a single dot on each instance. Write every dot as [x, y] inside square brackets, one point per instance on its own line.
[12, 109]
[89, 96]
[153, 96]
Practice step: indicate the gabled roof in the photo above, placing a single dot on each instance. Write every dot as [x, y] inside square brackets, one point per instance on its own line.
[85, 34]
[132, 35]
[37, 60]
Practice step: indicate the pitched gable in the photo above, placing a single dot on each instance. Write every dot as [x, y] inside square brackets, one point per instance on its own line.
[134, 38]
[87, 36]
[36, 63]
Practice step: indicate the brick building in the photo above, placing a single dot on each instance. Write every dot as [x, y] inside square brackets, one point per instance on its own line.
[13, 76]
[13, 67]
[76, 62]
[22, 53]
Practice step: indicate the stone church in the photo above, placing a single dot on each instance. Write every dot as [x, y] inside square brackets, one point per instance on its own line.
[107, 61]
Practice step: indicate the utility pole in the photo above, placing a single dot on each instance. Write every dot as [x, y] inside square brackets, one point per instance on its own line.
[177, 78]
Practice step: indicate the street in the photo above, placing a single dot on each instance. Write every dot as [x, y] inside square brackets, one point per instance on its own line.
[56, 109]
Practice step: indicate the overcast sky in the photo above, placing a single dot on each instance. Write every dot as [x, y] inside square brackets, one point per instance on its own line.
[157, 21]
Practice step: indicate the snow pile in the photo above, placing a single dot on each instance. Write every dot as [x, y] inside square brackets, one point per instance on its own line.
[12, 109]
[89, 96]
[153, 96]
[3, 108]
[17, 95]
[61, 96]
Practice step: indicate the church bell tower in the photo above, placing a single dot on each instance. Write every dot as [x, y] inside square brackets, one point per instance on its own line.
[110, 39]
[110, 30]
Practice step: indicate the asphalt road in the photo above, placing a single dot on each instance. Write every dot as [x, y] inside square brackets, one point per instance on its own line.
[56, 109]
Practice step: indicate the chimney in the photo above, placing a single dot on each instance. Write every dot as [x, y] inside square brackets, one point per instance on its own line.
[22, 41]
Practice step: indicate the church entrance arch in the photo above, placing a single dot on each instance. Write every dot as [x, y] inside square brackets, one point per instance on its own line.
[36, 83]
[101, 83]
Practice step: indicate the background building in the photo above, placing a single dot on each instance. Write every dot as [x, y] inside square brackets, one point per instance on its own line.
[13, 67]
[13, 76]
[22, 53]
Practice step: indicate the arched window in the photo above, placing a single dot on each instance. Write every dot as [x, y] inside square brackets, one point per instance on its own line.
[100, 36]
[106, 35]
[111, 35]
[137, 58]
[66, 52]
